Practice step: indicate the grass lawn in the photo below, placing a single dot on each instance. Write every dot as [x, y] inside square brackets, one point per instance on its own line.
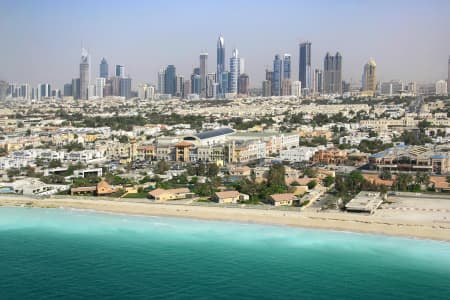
[137, 195]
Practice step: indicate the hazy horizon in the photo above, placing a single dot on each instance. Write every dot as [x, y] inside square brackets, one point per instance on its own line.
[42, 39]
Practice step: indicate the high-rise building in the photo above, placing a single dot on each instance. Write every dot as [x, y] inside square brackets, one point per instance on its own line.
[211, 91]
[187, 88]
[104, 69]
[68, 90]
[234, 72]
[318, 81]
[441, 88]
[448, 77]
[99, 86]
[286, 87]
[161, 77]
[269, 75]
[76, 88]
[170, 80]
[369, 79]
[196, 83]
[44, 91]
[224, 83]
[108, 90]
[392, 88]
[120, 71]
[84, 75]
[267, 88]
[277, 71]
[304, 74]
[287, 66]
[3, 90]
[244, 84]
[115, 85]
[125, 87]
[332, 74]
[204, 74]
[297, 88]
[179, 85]
[221, 64]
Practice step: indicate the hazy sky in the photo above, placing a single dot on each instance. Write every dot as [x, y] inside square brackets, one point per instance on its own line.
[41, 39]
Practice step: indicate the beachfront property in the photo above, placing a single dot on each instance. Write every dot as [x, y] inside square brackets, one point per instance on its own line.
[34, 187]
[170, 194]
[230, 197]
[403, 158]
[102, 188]
[285, 199]
[366, 202]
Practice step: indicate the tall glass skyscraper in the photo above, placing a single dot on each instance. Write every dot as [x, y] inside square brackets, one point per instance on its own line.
[277, 71]
[170, 80]
[234, 73]
[204, 74]
[84, 74]
[287, 67]
[120, 71]
[104, 68]
[304, 67]
[221, 64]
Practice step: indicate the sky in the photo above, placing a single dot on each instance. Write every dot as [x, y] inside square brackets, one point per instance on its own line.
[42, 40]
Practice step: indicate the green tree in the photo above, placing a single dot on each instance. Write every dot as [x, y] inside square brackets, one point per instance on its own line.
[386, 174]
[312, 184]
[54, 163]
[161, 167]
[328, 181]
[403, 182]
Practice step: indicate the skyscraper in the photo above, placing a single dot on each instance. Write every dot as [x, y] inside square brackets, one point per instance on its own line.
[277, 70]
[104, 68]
[297, 88]
[161, 77]
[125, 87]
[170, 80]
[221, 64]
[369, 80]
[84, 74]
[204, 74]
[318, 81]
[76, 88]
[120, 71]
[68, 90]
[448, 77]
[332, 74]
[234, 72]
[244, 84]
[304, 74]
[287, 67]
[266, 88]
[3, 90]
[99, 86]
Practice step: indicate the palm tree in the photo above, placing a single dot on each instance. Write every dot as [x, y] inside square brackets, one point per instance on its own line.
[403, 181]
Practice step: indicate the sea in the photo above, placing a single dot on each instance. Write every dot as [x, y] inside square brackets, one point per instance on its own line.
[75, 254]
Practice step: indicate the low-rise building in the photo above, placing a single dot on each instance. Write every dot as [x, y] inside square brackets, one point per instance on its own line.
[230, 197]
[286, 199]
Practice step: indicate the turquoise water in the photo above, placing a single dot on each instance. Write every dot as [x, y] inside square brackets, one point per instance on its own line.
[66, 254]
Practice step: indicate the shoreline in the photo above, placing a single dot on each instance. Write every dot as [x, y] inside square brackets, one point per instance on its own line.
[349, 222]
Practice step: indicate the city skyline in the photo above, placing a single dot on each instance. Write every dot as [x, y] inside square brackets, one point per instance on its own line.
[388, 42]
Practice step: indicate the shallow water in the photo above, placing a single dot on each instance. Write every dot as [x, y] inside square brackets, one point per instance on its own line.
[71, 254]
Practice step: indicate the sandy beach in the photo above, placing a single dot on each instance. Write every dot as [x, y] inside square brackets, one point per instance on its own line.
[431, 227]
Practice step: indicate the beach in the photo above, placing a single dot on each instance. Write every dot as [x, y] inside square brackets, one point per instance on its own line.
[429, 226]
